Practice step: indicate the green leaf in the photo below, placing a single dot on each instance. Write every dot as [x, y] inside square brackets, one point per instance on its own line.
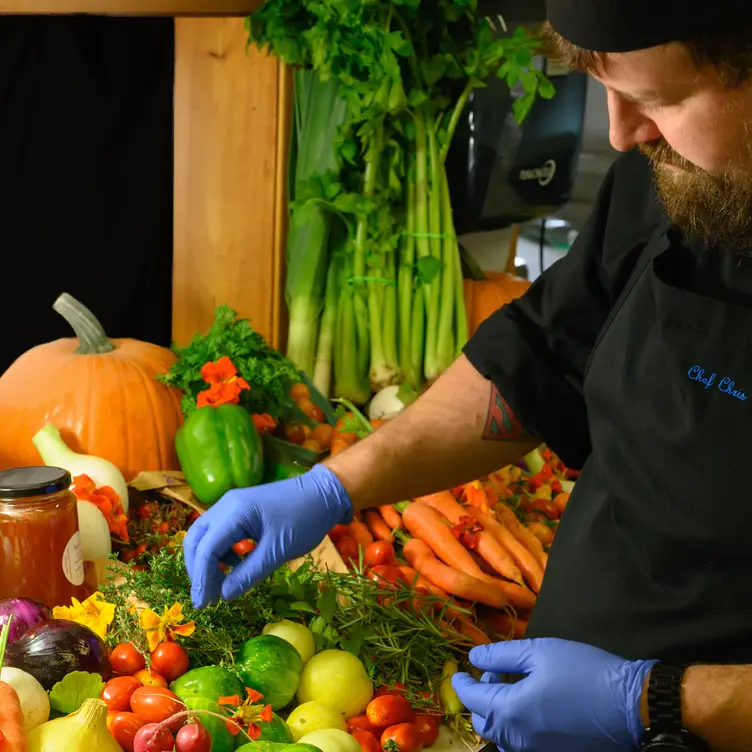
[427, 269]
[302, 606]
[546, 89]
[327, 604]
[68, 695]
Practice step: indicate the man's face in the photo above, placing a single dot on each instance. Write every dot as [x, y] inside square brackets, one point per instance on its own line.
[697, 132]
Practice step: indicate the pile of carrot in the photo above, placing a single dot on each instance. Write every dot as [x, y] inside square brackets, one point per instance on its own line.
[12, 734]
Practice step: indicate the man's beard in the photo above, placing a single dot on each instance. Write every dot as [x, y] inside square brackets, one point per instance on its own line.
[716, 209]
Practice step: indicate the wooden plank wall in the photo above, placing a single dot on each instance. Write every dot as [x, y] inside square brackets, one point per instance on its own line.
[232, 111]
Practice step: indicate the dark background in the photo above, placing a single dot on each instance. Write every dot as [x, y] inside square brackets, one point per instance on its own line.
[86, 151]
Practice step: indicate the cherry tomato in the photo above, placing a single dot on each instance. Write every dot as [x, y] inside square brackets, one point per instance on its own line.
[193, 516]
[128, 555]
[368, 742]
[241, 548]
[361, 723]
[150, 678]
[145, 511]
[428, 725]
[124, 727]
[164, 527]
[337, 532]
[169, 660]
[542, 532]
[397, 689]
[146, 739]
[406, 736]
[306, 406]
[296, 433]
[348, 549]
[117, 692]
[561, 501]
[300, 392]
[379, 552]
[385, 574]
[126, 660]
[155, 704]
[322, 435]
[389, 710]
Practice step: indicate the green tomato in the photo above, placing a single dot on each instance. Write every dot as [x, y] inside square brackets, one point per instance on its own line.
[338, 679]
[332, 740]
[259, 746]
[298, 635]
[314, 716]
[271, 666]
[222, 739]
[275, 731]
[212, 682]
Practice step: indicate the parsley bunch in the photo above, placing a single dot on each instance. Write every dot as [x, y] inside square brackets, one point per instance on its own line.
[269, 373]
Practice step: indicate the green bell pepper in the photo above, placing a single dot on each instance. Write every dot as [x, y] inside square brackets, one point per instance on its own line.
[219, 449]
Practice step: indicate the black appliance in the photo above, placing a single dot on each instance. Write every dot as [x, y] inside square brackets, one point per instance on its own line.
[502, 173]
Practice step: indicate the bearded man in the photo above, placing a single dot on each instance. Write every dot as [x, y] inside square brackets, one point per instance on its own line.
[632, 359]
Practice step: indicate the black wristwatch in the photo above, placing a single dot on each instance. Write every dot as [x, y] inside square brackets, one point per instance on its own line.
[666, 732]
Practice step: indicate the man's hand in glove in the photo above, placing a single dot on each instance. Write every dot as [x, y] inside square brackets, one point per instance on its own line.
[286, 519]
[574, 698]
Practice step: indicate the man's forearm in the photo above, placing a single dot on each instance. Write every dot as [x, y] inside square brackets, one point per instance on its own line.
[460, 429]
[717, 706]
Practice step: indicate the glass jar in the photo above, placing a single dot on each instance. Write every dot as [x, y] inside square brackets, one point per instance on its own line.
[40, 544]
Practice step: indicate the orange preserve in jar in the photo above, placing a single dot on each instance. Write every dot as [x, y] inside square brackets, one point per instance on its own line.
[40, 544]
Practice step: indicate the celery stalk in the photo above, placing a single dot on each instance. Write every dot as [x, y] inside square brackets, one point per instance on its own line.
[322, 372]
[406, 288]
[445, 341]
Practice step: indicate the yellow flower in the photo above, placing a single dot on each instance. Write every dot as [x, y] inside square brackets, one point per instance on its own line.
[163, 628]
[94, 613]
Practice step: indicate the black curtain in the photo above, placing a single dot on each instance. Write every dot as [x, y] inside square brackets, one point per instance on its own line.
[86, 157]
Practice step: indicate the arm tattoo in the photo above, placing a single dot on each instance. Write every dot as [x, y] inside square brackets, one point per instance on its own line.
[501, 422]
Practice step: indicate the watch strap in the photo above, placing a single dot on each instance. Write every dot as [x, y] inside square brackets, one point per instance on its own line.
[664, 699]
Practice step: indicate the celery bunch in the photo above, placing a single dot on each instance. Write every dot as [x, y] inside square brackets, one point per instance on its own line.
[377, 283]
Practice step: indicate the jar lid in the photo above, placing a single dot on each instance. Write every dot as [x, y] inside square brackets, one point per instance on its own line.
[22, 482]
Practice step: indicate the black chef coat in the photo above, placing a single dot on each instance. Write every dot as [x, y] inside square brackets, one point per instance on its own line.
[632, 358]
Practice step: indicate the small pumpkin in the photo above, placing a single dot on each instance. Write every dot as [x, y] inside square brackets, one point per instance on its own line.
[485, 296]
[102, 394]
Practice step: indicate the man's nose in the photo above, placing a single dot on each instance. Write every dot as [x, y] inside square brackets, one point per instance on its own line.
[628, 125]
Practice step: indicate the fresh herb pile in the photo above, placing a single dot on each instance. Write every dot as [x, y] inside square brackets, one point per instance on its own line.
[269, 374]
[376, 292]
[220, 629]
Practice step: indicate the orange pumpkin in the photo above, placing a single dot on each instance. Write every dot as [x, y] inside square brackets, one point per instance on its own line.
[102, 394]
[484, 296]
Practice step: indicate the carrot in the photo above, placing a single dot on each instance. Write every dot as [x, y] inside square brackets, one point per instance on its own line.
[377, 423]
[506, 625]
[518, 595]
[489, 545]
[421, 557]
[409, 576]
[531, 569]
[360, 533]
[425, 523]
[518, 530]
[11, 720]
[466, 627]
[379, 529]
[391, 516]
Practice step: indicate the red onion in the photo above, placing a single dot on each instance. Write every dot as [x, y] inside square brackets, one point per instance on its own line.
[27, 613]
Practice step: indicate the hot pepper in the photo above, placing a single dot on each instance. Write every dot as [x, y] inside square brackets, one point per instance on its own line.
[219, 449]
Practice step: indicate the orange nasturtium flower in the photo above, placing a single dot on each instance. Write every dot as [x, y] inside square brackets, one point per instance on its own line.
[163, 628]
[264, 422]
[107, 501]
[248, 714]
[225, 385]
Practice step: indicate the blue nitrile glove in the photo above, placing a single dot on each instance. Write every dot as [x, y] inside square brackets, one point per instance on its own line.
[574, 697]
[287, 519]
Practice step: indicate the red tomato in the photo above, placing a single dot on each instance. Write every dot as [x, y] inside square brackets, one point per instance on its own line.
[428, 725]
[241, 548]
[406, 736]
[561, 501]
[169, 660]
[124, 727]
[145, 739]
[368, 742]
[117, 692]
[389, 710]
[385, 575]
[300, 392]
[126, 660]
[296, 433]
[150, 678]
[155, 704]
[379, 552]
[361, 723]
[348, 549]
[397, 689]
[337, 532]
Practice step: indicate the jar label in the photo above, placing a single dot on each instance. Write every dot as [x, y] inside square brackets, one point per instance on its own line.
[73, 560]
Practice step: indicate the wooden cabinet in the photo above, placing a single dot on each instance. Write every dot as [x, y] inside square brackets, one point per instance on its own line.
[134, 7]
[232, 110]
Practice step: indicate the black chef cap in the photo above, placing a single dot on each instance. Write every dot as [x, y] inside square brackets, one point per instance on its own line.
[626, 25]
